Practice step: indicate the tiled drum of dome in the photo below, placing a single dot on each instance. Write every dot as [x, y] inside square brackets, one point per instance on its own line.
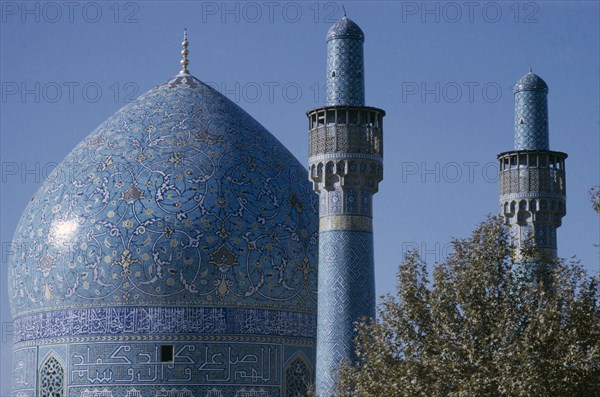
[180, 220]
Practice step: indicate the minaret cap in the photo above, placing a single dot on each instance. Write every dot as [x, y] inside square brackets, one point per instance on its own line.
[345, 28]
[531, 82]
[184, 54]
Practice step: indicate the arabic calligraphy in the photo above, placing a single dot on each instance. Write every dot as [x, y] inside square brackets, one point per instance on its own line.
[235, 363]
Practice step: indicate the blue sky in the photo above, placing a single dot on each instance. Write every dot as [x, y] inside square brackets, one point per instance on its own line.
[443, 71]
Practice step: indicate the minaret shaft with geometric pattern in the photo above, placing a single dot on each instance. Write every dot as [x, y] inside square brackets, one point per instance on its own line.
[532, 177]
[345, 166]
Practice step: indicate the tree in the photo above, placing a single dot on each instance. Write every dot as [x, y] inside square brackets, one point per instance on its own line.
[486, 326]
[595, 198]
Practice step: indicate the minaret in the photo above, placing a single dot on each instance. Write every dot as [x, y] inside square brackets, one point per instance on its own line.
[532, 177]
[345, 166]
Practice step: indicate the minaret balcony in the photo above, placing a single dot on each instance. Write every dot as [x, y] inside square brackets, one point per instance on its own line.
[532, 174]
[345, 132]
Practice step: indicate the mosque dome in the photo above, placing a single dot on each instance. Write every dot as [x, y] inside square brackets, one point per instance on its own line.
[173, 252]
[345, 28]
[180, 198]
[531, 82]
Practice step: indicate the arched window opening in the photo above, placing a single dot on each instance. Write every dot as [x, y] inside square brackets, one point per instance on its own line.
[297, 378]
[52, 379]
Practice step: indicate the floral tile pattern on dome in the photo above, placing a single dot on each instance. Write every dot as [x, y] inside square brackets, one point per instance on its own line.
[179, 197]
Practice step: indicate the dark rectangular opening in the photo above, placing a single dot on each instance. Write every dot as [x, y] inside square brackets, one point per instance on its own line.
[166, 353]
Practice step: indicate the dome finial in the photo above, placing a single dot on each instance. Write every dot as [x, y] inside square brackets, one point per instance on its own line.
[184, 53]
[344, 8]
[530, 70]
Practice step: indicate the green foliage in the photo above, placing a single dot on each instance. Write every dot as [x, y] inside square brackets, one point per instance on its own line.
[486, 326]
[595, 198]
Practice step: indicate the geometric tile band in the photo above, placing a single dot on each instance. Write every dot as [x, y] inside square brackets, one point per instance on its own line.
[346, 222]
[141, 321]
[346, 293]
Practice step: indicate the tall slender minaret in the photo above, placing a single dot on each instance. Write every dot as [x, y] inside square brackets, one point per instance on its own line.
[346, 166]
[532, 177]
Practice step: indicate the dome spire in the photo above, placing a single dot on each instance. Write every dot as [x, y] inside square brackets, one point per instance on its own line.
[344, 8]
[184, 53]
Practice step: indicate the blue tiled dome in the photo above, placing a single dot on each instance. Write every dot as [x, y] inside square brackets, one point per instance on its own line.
[173, 252]
[180, 198]
[345, 28]
[531, 82]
